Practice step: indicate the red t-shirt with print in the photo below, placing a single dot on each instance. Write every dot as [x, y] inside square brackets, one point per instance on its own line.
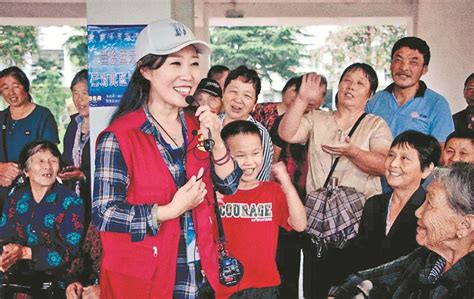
[251, 220]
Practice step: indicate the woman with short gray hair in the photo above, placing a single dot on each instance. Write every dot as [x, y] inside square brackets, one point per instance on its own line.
[442, 268]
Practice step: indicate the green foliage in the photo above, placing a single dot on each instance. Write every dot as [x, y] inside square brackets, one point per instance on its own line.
[269, 50]
[47, 90]
[77, 48]
[15, 43]
[369, 44]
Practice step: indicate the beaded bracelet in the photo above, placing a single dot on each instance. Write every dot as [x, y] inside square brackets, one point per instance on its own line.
[222, 160]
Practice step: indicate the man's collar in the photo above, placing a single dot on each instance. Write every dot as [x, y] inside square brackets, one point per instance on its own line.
[419, 93]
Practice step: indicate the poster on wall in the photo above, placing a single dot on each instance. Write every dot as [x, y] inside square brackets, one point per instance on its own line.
[111, 56]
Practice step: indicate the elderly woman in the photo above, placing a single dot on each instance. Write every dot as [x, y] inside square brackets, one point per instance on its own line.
[76, 155]
[42, 222]
[22, 122]
[362, 155]
[442, 268]
[388, 225]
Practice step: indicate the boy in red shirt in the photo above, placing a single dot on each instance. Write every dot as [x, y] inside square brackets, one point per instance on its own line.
[252, 216]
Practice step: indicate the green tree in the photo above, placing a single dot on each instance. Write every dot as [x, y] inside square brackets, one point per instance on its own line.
[76, 45]
[349, 44]
[47, 90]
[270, 50]
[15, 43]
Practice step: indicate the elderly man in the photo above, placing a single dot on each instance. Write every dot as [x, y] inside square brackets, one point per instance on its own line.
[459, 147]
[464, 119]
[407, 103]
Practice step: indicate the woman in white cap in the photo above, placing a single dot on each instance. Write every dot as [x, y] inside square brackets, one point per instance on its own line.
[153, 190]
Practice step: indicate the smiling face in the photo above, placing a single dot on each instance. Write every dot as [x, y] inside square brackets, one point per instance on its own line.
[403, 168]
[407, 67]
[354, 89]
[175, 79]
[239, 99]
[437, 221]
[13, 92]
[458, 149]
[42, 169]
[246, 149]
[80, 97]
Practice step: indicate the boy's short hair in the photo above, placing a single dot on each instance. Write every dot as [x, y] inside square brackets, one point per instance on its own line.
[239, 127]
[461, 134]
[414, 43]
[248, 75]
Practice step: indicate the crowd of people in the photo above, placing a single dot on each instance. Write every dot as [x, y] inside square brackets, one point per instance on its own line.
[200, 192]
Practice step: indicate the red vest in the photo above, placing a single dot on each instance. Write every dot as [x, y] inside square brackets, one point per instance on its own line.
[154, 258]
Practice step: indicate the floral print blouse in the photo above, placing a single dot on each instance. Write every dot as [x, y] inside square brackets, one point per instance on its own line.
[52, 228]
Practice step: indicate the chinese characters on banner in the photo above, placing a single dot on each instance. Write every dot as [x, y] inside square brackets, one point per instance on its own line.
[111, 57]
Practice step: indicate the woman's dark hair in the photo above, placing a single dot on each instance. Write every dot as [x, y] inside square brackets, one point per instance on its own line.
[20, 76]
[34, 147]
[414, 43]
[79, 77]
[428, 148]
[239, 127]
[138, 89]
[248, 75]
[369, 72]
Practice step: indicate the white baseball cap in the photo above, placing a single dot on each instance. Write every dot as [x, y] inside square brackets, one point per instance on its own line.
[167, 36]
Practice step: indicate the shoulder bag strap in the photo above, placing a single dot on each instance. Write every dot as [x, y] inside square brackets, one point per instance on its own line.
[354, 127]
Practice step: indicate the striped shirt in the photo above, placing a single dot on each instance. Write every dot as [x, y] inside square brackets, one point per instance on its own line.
[112, 213]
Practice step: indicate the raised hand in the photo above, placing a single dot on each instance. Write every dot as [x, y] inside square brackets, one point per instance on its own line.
[310, 88]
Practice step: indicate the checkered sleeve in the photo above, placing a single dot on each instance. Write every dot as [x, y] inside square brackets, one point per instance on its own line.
[110, 210]
[229, 184]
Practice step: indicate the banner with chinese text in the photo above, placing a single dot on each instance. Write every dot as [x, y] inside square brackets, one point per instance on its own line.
[111, 57]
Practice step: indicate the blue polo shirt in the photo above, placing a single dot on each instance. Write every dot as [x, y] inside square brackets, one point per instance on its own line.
[428, 112]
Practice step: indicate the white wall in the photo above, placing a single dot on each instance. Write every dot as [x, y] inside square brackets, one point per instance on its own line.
[448, 28]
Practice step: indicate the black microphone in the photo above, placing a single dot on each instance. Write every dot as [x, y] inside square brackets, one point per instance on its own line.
[190, 99]
[364, 289]
[209, 142]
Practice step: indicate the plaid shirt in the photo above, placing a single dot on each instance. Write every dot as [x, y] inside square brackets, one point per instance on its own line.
[411, 276]
[112, 212]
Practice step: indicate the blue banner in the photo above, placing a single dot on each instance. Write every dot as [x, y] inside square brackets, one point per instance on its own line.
[111, 56]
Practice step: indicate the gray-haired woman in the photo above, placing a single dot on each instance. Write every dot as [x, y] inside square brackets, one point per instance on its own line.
[442, 268]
